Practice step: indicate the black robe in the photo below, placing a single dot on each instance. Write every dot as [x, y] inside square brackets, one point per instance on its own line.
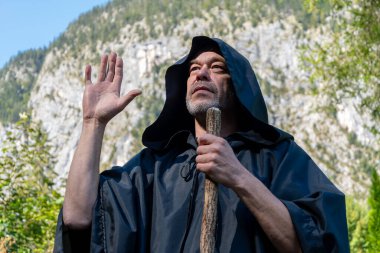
[154, 202]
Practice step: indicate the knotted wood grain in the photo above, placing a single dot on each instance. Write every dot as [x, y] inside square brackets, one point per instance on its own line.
[209, 217]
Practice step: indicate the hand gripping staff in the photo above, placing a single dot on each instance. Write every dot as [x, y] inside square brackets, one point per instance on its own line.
[208, 229]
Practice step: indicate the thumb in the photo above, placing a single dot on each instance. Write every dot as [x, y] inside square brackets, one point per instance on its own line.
[206, 138]
[126, 99]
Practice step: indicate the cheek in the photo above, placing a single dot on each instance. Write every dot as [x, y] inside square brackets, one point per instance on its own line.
[188, 85]
[224, 87]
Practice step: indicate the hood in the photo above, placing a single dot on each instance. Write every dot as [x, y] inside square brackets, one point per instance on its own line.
[174, 116]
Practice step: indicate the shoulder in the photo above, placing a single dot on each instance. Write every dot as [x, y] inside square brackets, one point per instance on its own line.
[299, 171]
[141, 164]
[289, 151]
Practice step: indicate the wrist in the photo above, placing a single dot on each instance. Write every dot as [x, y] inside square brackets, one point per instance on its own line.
[93, 126]
[241, 180]
[92, 123]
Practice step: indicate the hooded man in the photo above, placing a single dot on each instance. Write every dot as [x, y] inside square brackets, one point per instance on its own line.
[271, 195]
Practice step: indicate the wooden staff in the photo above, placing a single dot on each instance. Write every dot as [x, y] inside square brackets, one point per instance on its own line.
[208, 229]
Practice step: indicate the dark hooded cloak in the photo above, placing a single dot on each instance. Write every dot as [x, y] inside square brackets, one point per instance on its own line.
[154, 202]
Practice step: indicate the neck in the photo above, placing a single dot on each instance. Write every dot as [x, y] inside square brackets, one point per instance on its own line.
[229, 124]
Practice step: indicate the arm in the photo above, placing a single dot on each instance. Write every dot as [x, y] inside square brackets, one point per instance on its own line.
[269, 211]
[101, 102]
[216, 158]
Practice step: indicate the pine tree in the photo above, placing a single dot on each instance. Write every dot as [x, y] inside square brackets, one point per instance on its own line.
[374, 214]
[357, 221]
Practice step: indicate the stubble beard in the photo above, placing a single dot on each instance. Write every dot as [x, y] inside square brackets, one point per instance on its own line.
[199, 109]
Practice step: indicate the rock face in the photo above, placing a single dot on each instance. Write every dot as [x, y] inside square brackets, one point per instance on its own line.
[273, 48]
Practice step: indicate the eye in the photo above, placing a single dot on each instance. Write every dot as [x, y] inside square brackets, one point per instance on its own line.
[194, 68]
[219, 68]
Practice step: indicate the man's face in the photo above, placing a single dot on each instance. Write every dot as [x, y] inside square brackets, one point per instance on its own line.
[208, 84]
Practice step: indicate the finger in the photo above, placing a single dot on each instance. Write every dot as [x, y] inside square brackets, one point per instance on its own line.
[103, 68]
[205, 149]
[207, 139]
[205, 167]
[204, 158]
[111, 67]
[118, 72]
[87, 75]
[125, 100]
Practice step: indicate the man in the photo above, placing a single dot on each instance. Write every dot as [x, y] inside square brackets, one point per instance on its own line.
[272, 197]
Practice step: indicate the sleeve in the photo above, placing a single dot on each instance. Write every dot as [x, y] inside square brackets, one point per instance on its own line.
[67, 240]
[121, 217]
[85, 240]
[316, 206]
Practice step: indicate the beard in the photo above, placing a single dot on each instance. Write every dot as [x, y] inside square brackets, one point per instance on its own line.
[199, 109]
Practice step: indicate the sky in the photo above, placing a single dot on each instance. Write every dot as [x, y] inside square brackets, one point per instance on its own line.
[27, 24]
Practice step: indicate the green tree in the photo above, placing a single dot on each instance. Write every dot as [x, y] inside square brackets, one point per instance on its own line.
[28, 200]
[357, 222]
[374, 214]
[364, 225]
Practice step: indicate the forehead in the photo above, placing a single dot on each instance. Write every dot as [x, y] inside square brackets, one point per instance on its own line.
[207, 57]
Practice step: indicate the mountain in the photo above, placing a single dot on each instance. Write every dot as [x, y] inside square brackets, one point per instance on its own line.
[17, 79]
[150, 37]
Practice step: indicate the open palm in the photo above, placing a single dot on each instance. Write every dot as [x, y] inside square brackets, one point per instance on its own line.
[102, 100]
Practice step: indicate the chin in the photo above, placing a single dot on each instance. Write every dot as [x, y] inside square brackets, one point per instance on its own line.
[196, 109]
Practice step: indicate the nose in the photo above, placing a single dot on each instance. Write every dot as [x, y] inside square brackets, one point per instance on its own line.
[203, 74]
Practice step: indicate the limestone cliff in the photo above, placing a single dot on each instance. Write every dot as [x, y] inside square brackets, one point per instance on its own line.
[149, 44]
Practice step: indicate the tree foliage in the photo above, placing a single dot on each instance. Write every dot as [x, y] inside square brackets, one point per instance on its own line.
[364, 221]
[374, 214]
[357, 221]
[29, 204]
[347, 63]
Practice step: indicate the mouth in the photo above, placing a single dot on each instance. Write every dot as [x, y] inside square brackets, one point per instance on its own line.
[202, 87]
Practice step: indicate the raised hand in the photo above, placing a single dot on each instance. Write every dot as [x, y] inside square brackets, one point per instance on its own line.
[102, 100]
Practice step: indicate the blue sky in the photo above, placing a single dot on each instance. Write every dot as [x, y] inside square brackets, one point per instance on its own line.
[26, 24]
